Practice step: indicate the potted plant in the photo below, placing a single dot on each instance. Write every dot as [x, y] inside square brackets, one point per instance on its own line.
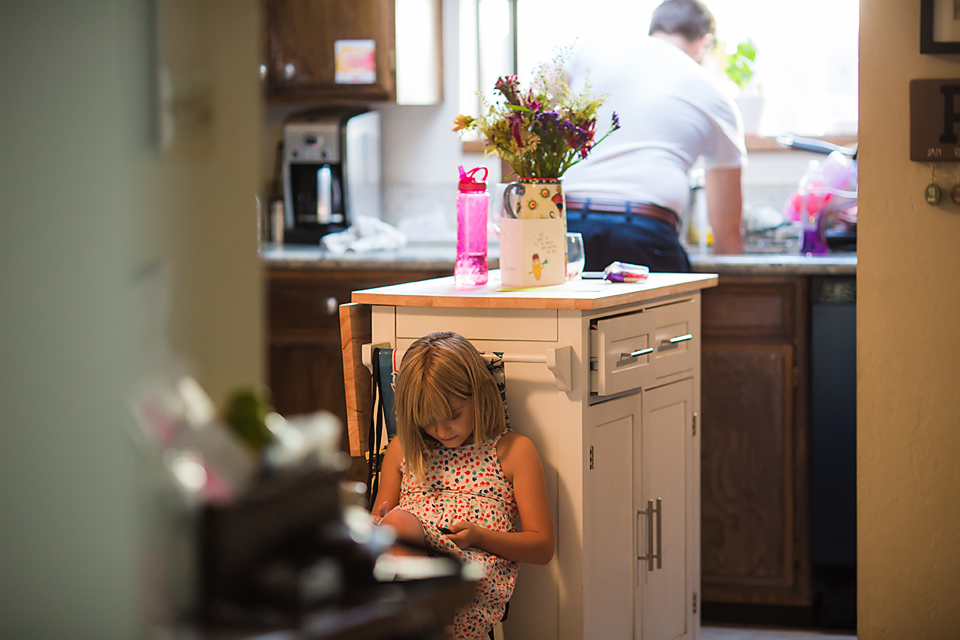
[739, 67]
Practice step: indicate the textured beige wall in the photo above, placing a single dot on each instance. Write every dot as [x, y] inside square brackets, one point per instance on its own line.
[908, 349]
[122, 249]
[207, 177]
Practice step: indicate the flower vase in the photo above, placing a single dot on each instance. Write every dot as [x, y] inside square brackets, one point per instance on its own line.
[533, 230]
[534, 198]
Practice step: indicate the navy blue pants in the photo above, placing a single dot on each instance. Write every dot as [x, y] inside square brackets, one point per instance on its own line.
[636, 239]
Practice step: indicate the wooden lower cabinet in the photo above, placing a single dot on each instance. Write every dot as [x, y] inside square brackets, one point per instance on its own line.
[755, 478]
[305, 371]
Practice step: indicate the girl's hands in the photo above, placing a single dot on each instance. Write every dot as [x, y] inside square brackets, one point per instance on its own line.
[380, 512]
[465, 534]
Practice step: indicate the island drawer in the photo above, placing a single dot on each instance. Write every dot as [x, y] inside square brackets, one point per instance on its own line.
[675, 337]
[621, 353]
[521, 325]
[635, 350]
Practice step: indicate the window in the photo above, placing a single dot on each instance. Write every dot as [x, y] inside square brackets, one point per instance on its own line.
[488, 49]
[806, 65]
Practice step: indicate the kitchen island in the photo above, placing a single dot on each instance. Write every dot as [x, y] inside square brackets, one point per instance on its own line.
[604, 378]
[757, 391]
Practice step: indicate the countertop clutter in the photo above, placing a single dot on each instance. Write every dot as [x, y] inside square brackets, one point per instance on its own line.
[431, 256]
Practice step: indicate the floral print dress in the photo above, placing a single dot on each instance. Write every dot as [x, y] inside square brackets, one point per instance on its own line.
[467, 483]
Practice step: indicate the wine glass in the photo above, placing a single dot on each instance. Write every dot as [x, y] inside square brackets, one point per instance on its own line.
[575, 255]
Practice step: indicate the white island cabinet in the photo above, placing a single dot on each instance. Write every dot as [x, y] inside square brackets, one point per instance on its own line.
[605, 379]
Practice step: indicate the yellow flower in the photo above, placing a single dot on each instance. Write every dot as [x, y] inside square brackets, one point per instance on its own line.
[462, 122]
[530, 141]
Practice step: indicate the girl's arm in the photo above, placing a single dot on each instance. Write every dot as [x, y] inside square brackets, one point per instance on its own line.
[388, 494]
[534, 544]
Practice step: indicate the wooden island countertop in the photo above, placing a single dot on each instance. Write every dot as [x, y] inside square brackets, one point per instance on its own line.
[576, 294]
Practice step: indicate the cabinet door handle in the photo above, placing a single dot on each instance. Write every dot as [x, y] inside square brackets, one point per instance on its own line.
[659, 512]
[289, 70]
[634, 354]
[333, 306]
[649, 555]
[675, 340]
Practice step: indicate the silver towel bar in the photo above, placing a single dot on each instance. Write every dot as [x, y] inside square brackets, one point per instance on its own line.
[558, 360]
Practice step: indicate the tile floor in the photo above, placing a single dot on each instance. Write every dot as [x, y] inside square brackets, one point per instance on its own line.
[722, 632]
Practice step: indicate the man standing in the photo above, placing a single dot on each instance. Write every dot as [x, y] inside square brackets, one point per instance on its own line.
[626, 197]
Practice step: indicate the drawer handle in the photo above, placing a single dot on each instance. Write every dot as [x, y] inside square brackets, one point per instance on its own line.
[634, 354]
[683, 338]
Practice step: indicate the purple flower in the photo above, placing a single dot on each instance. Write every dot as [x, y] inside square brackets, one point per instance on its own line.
[547, 117]
[615, 120]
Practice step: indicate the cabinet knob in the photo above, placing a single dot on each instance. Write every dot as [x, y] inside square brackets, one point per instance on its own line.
[333, 306]
[289, 71]
[263, 72]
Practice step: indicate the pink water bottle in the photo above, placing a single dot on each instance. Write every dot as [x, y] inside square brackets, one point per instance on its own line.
[472, 202]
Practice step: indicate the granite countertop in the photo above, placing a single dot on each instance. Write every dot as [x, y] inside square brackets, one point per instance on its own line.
[429, 256]
[433, 256]
[775, 264]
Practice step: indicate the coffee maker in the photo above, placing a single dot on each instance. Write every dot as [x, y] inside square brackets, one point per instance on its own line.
[331, 171]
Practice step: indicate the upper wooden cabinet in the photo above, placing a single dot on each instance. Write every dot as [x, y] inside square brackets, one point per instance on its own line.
[305, 40]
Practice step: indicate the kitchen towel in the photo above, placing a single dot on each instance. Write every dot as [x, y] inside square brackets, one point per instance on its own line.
[365, 234]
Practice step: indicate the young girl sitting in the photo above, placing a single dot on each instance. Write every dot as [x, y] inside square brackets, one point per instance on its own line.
[455, 479]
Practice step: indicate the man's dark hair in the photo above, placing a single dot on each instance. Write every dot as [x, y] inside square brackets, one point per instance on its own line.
[689, 18]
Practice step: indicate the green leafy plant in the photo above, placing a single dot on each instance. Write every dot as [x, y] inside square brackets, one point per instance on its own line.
[740, 64]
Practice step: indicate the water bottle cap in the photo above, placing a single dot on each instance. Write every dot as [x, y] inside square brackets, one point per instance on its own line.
[469, 183]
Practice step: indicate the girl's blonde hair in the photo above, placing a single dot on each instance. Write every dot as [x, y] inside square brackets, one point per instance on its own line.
[434, 369]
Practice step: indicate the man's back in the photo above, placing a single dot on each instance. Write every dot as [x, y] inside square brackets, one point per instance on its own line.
[670, 113]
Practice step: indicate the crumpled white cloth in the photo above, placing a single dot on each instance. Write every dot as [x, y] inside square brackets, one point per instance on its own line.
[365, 234]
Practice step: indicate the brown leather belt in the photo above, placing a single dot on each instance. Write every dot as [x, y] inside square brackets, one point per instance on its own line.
[622, 206]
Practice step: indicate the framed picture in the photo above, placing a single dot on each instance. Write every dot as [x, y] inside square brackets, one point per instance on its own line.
[939, 26]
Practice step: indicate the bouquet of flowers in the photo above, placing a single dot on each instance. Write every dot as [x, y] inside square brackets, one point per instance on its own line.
[540, 132]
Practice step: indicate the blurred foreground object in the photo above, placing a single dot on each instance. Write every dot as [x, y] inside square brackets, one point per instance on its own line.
[297, 551]
[206, 459]
[283, 545]
[245, 415]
